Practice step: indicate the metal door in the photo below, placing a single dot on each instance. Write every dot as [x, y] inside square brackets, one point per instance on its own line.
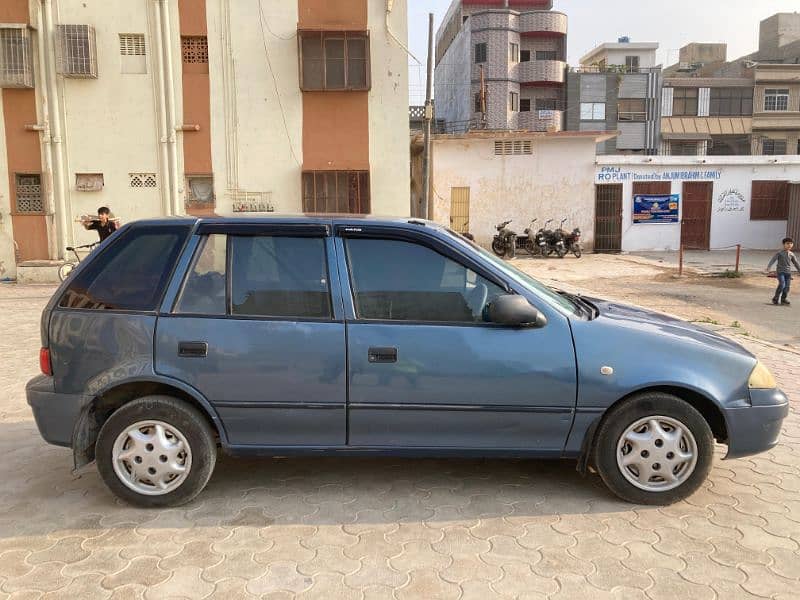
[608, 218]
[459, 209]
[696, 221]
[793, 226]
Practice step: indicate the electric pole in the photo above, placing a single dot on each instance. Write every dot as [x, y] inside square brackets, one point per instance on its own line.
[426, 158]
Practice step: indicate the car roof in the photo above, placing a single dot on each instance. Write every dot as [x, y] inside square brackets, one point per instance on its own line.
[277, 219]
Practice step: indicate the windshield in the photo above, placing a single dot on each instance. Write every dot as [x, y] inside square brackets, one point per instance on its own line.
[557, 301]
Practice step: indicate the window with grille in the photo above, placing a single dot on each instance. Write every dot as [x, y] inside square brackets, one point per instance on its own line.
[334, 61]
[683, 148]
[16, 58]
[195, 49]
[525, 105]
[546, 104]
[143, 180]
[28, 188]
[731, 102]
[633, 110]
[525, 56]
[513, 147]
[684, 102]
[336, 192]
[770, 201]
[200, 191]
[772, 147]
[133, 53]
[546, 55]
[480, 53]
[478, 104]
[776, 100]
[632, 64]
[76, 51]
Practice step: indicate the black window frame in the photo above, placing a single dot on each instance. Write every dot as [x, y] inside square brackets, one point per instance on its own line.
[429, 242]
[731, 102]
[546, 55]
[524, 56]
[688, 99]
[481, 52]
[113, 244]
[523, 103]
[346, 36]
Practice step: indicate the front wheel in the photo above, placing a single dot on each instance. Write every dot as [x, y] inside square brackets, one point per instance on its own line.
[531, 247]
[156, 451]
[654, 449]
[576, 250]
[65, 269]
[499, 247]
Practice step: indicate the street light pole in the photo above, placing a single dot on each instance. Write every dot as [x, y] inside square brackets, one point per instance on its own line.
[426, 158]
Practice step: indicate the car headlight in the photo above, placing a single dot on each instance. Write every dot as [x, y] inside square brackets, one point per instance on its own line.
[761, 378]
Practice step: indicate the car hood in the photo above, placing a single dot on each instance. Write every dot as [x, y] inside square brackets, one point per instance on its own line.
[649, 322]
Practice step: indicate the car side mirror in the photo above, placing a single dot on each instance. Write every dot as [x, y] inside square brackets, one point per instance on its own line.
[515, 311]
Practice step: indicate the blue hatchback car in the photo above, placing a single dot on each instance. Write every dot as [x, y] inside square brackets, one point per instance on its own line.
[353, 336]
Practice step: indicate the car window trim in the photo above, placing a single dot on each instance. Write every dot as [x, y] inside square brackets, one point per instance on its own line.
[397, 235]
[265, 229]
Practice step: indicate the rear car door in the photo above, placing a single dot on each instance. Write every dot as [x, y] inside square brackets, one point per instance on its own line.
[257, 328]
[427, 370]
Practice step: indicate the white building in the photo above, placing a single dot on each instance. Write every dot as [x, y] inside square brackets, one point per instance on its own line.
[721, 201]
[483, 178]
[162, 107]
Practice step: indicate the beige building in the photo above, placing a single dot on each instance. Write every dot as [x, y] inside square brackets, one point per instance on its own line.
[162, 107]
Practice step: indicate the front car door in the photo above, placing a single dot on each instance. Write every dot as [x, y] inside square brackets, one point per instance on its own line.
[425, 368]
[257, 328]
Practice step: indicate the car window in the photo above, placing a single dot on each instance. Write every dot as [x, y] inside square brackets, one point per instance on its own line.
[279, 277]
[204, 291]
[130, 274]
[402, 281]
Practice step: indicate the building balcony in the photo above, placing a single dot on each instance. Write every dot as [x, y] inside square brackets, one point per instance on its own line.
[542, 23]
[542, 72]
[541, 120]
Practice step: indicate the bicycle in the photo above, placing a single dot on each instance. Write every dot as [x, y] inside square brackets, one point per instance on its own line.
[69, 266]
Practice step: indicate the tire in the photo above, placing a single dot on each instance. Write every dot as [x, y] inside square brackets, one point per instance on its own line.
[499, 247]
[561, 252]
[531, 248]
[689, 475]
[177, 418]
[65, 269]
[577, 252]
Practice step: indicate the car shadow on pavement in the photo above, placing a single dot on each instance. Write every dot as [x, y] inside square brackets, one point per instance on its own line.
[41, 497]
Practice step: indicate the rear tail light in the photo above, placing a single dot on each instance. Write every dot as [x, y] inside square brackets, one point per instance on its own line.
[44, 361]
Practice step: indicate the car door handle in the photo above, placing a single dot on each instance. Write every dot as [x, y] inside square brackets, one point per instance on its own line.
[382, 355]
[193, 349]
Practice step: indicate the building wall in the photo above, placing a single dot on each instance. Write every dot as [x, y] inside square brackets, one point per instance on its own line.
[554, 182]
[453, 87]
[647, 58]
[8, 266]
[732, 177]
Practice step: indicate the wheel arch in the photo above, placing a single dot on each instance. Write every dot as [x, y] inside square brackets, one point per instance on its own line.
[707, 408]
[104, 403]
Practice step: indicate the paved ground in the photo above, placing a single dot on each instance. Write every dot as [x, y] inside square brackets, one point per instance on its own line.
[715, 261]
[386, 528]
[742, 305]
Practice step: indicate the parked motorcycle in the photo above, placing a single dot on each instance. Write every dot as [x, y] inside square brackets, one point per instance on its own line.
[504, 243]
[528, 241]
[572, 242]
[542, 240]
[557, 242]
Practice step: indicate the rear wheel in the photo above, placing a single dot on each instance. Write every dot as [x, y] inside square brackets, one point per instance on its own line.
[156, 451]
[654, 449]
[561, 252]
[65, 269]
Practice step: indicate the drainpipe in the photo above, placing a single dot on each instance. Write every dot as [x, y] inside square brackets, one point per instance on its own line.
[44, 129]
[169, 90]
[166, 198]
[64, 234]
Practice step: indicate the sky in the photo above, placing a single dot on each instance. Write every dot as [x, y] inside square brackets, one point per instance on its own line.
[672, 24]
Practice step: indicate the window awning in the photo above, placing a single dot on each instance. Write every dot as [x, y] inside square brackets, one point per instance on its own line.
[706, 125]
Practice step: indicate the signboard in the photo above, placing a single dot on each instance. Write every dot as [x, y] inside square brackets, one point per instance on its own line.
[652, 209]
[609, 174]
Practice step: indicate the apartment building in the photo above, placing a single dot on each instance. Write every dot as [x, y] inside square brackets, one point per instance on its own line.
[712, 106]
[500, 64]
[163, 107]
[618, 88]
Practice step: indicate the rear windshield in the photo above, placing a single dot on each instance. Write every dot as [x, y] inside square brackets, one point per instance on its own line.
[131, 273]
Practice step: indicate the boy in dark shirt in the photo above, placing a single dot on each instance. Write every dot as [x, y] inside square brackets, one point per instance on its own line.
[785, 259]
[103, 225]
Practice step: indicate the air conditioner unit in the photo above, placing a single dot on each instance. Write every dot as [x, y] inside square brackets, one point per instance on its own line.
[76, 51]
[16, 57]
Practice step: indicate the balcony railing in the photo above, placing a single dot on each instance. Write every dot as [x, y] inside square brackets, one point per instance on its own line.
[542, 22]
[621, 69]
[542, 120]
[542, 71]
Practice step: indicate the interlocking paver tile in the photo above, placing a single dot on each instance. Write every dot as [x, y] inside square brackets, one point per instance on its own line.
[388, 528]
